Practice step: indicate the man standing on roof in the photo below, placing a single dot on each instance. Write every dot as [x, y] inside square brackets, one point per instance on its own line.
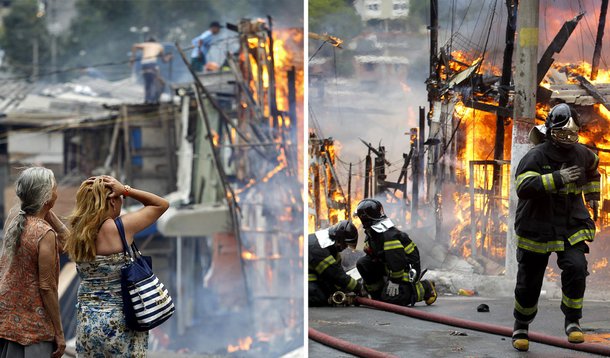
[391, 268]
[326, 275]
[551, 217]
[201, 46]
[153, 83]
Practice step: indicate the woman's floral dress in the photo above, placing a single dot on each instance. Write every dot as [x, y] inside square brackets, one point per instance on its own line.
[101, 329]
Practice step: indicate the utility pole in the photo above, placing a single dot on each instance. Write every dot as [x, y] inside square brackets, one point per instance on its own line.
[511, 26]
[422, 138]
[349, 192]
[525, 109]
[4, 172]
[415, 142]
[367, 175]
[433, 174]
[433, 46]
[598, 40]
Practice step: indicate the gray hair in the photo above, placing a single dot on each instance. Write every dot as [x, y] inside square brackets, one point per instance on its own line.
[34, 188]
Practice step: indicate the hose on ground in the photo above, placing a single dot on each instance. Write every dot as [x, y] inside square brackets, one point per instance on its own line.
[345, 346]
[484, 327]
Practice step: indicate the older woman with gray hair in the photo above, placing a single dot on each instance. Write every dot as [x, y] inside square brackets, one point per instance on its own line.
[30, 324]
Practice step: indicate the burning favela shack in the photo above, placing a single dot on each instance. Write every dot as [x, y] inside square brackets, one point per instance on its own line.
[452, 188]
[223, 147]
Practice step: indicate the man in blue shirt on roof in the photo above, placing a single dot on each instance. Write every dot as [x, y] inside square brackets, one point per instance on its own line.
[202, 44]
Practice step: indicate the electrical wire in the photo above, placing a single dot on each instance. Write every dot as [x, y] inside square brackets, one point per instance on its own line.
[316, 124]
[465, 15]
[79, 68]
[337, 102]
[318, 50]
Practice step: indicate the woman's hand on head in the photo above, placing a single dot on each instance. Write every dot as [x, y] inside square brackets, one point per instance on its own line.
[117, 189]
[113, 184]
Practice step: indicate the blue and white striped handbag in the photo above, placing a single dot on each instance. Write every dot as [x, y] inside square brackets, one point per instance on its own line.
[146, 302]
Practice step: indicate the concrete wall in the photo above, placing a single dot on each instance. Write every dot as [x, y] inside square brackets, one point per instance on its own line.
[36, 147]
[382, 9]
[66, 198]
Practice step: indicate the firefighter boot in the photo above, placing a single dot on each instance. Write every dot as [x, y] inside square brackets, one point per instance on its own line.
[521, 340]
[430, 295]
[574, 332]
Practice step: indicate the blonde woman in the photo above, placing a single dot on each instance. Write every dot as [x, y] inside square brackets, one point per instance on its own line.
[96, 247]
[30, 324]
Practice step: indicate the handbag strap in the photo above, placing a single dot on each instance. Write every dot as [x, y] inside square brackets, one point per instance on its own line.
[127, 250]
[119, 225]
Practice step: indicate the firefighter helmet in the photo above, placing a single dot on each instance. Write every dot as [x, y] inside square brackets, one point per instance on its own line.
[344, 232]
[370, 212]
[562, 124]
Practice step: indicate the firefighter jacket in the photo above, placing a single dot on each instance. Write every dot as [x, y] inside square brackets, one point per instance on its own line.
[550, 213]
[325, 263]
[384, 242]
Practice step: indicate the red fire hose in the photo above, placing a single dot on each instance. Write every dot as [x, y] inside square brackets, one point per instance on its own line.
[483, 327]
[345, 346]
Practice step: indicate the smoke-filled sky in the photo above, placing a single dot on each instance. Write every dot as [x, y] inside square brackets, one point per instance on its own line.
[349, 110]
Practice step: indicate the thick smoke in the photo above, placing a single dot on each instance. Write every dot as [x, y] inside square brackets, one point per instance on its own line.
[382, 108]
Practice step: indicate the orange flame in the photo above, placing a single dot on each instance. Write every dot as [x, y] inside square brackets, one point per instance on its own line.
[243, 344]
[248, 255]
[599, 264]
[475, 143]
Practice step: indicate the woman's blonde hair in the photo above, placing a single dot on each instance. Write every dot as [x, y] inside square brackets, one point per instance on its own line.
[89, 214]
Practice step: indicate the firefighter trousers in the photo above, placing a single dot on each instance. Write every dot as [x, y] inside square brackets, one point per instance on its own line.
[530, 274]
[318, 294]
[374, 275]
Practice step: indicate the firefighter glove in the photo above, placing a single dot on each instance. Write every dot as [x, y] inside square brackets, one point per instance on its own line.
[571, 174]
[392, 289]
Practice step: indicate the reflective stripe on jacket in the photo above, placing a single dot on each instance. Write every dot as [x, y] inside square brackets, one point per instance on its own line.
[396, 250]
[324, 264]
[550, 213]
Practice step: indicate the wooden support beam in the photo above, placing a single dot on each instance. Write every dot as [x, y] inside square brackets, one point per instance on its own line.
[486, 107]
[592, 90]
[598, 40]
[217, 107]
[555, 46]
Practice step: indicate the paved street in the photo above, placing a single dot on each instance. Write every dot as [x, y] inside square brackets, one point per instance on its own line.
[410, 337]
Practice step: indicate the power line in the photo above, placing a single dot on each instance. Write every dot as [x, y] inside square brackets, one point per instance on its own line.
[99, 65]
[318, 50]
[465, 15]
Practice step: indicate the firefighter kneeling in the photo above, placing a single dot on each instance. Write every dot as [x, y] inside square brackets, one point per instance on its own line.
[326, 275]
[391, 268]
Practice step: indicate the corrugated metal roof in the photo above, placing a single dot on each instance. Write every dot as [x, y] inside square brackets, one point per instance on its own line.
[85, 98]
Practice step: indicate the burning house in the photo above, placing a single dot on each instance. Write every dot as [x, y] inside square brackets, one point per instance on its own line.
[224, 150]
[244, 192]
[453, 188]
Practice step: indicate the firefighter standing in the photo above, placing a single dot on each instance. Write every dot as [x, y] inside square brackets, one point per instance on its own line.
[551, 217]
[326, 275]
[391, 268]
